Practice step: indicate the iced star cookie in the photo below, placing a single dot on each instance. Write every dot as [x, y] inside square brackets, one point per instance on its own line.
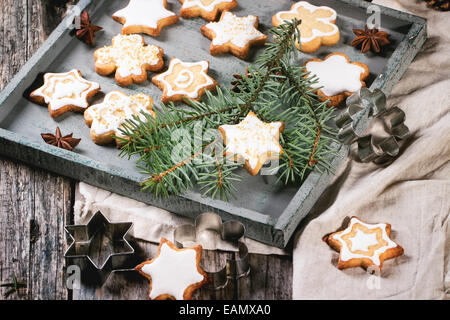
[338, 78]
[207, 9]
[233, 34]
[317, 28]
[363, 245]
[173, 273]
[145, 16]
[129, 58]
[64, 92]
[184, 80]
[105, 119]
[253, 141]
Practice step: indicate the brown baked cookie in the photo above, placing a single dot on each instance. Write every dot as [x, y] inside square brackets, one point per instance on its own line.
[184, 80]
[63, 92]
[145, 16]
[129, 58]
[253, 142]
[207, 9]
[338, 78]
[363, 245]
[105, 119]
[233, 34]
[317, 28]
[173, 273]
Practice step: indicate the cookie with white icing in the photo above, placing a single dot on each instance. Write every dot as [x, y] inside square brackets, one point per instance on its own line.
[233, 34]
[253, 141]
[338, 78]
[67, 91]
[105, 119]
[317, 28]
[173, 273]
[184, 80]
[145, 16]
[129, 58]
[207, 9]
[364, 245]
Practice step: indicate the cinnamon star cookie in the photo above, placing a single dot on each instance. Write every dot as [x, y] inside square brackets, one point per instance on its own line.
[184, 80]
[64, 92]
[207, 9]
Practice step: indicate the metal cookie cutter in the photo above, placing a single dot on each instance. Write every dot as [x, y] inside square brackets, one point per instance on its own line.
[230, 231]
[376, 129]
[99, 248]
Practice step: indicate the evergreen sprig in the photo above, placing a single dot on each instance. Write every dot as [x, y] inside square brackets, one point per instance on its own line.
[181, 148]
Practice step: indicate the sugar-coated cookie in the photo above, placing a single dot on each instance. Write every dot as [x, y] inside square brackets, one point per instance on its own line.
[105, 119]
[63, 92]
[317, 28]
[145, 16]
[129, 58]
[207, 9]
[173, 273]
[338, 78]
[253, 141]
[184, 80]
[233, 34]
[363, 245]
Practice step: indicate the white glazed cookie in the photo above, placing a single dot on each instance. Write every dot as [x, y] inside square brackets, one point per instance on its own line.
[184, 80]
[233, 34]
[105, 119]
[63, 92]
[253, 141]
[129, 58]
[207, 9]
[363, 244]
[173, 273]
[145, 16]
[337, 77]
[318, 25]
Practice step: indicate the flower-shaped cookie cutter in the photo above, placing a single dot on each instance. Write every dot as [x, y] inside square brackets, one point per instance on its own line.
[376, 129]
[231, 232]
[99, 248]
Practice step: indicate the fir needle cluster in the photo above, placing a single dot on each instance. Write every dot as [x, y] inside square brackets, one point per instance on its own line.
[181, 148]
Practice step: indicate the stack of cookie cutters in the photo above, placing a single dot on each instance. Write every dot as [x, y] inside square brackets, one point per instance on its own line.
[231, 232]
[99, 248]
[365, 110]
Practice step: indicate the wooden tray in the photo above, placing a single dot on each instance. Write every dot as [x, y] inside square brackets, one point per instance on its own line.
[269, 213]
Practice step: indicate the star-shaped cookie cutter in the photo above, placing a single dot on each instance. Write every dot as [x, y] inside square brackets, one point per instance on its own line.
[230, 231]
[376, 129]
[88, 244]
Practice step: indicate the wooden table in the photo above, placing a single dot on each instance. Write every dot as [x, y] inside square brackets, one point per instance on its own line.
[35, 205]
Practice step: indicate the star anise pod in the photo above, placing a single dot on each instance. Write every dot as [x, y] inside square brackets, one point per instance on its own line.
[370, 39]
[66, 142]
[442, 5]
[87, 31]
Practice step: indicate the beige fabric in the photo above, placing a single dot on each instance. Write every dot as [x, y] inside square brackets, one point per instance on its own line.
[412, 194]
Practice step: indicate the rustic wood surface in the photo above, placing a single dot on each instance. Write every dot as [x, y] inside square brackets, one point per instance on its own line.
[35, 204]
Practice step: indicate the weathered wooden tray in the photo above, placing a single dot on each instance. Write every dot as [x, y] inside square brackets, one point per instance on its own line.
[270, 213]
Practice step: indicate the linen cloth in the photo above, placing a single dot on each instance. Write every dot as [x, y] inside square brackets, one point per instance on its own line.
[412, 194]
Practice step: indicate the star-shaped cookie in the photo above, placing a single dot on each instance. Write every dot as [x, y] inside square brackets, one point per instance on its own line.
[363, 245]
[173, 273]
[207, 9]
[105, 119]
[184, 80]
[253, 141]
[129, 58]
[318, 25]
[145, 16]
[64, 92]
[338, 78]
[233, 34]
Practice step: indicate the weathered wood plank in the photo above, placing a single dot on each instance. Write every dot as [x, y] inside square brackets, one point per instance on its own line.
[34, 204]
